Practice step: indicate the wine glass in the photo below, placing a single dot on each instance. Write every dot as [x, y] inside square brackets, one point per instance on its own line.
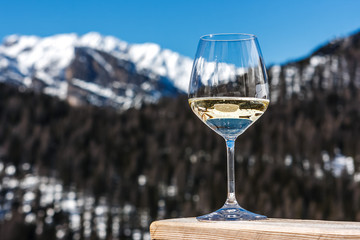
[229, 91]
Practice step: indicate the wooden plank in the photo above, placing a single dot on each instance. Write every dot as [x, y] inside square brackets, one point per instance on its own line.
[270, 229]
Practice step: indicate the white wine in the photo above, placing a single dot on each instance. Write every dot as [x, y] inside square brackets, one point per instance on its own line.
[228, 116]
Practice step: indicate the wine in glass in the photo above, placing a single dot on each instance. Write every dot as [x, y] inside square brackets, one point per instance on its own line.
[229, 91]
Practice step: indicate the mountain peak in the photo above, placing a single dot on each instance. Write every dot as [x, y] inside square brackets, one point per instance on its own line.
[100, 42]
[43, 61]
[338, 44]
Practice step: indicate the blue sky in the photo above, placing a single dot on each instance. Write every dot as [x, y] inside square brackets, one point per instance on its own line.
[286, 29]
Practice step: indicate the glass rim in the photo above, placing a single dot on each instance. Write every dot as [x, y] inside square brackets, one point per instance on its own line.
[232, 37]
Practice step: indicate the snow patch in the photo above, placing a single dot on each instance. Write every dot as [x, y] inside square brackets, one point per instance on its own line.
[317, 60]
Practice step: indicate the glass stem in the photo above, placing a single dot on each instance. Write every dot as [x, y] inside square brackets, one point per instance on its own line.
[230, 146]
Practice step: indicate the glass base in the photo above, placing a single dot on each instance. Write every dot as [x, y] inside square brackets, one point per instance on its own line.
[231, 212]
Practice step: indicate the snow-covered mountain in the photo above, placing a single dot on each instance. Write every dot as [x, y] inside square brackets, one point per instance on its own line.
[331, 67]
[105, 71]
[102, 70]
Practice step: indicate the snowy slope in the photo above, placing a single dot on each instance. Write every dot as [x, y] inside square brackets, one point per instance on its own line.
[24, 59]
[332, 66]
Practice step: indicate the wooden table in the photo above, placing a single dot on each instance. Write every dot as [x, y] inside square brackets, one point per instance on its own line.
[270, 229]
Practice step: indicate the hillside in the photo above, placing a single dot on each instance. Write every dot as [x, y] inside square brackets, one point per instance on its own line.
[133, 161]
[93, 69]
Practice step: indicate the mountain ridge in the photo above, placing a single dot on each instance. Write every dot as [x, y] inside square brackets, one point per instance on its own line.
[106, 71]
[332, 66]
[42, 63]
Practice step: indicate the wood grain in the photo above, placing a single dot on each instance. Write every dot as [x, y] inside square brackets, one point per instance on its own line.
[270, 229]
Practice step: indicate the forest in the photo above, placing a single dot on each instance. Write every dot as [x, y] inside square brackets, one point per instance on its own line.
[164, 160]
